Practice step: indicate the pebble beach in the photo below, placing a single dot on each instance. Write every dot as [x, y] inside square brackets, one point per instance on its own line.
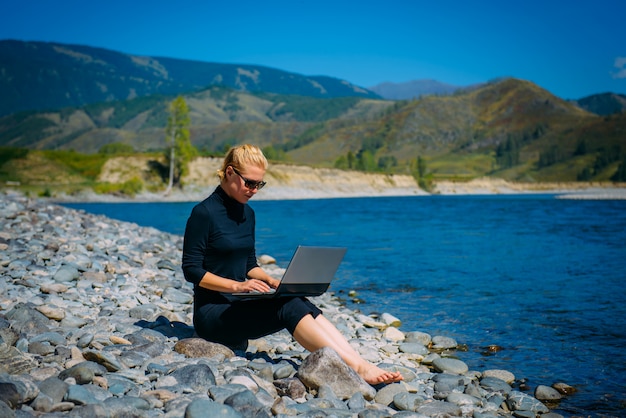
[95, 321]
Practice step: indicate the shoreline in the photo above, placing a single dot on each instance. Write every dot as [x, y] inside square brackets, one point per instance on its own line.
[476, 187]
[94, 279]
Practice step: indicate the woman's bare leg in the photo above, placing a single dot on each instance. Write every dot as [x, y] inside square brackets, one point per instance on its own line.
[315, 333]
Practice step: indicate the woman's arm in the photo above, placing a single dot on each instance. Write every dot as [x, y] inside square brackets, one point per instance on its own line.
[221, 284]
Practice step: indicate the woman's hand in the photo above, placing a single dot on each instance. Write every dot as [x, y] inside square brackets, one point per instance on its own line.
[252, 285]
[259, 274]
[273, 283]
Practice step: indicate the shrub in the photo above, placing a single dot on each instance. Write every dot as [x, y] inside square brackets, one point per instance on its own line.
[129, 188]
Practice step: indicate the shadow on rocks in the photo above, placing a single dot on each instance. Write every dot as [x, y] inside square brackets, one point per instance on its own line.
[168, 328]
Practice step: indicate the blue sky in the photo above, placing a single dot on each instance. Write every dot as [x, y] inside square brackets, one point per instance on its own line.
[571, 48]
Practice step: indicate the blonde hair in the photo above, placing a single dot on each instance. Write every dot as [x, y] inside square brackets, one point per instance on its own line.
[241, 156]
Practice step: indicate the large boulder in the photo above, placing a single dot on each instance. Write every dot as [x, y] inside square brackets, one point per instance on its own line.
[325, 367]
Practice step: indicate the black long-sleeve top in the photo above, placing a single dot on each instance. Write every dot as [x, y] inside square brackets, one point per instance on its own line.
[219, 238]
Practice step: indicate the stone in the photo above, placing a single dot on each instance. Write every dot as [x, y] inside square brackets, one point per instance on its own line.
[493, 384]
[443, 343]
[325, 367]
[518, 401]
[198, 348]
[66, 273]
[196, 377]
[450, 365]
[413, 348]
[291, 387]
[406, 401]
[201, 408]
[418, 337]
[385, 396]
[564, 388]
[390, 320]
[505, 375]
[547, 393]
[439, 409]
[393, 334]
[247, 404]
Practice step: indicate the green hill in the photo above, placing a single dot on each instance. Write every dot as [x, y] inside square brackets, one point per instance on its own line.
[511, 129]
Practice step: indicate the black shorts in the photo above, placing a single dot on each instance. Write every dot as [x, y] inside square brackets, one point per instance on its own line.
[234, 323]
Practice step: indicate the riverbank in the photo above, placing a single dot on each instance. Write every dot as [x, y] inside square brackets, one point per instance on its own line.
[337, 190]
[95, 321]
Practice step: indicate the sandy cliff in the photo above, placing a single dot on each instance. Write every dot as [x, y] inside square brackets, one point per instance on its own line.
[284, 181]
[301, 182]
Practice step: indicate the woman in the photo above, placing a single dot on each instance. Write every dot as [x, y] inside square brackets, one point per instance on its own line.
[219, 258]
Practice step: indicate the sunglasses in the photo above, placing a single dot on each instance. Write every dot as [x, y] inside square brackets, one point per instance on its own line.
[250, 184]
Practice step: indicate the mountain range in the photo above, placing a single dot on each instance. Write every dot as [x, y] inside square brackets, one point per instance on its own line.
[43, 75]
[82, 98]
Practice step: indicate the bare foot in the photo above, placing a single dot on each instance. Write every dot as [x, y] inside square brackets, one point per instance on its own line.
[375, 375]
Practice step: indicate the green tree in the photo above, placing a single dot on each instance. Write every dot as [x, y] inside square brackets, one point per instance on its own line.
[366, 161]
[179, 149]
[421, 167]
[341, 162]
[424, 180]
[351, 159]
[507, 153]
[386, 162]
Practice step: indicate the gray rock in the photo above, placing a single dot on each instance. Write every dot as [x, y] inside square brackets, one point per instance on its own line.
[463, 399]
[53, 387]
[385, 396]
[146, 311]
[443, 343]
[66, 274]
[81, 373]
[418, 337]
[247, 404]
[178, 296]
[546, 393]
[450, 365]
[324, 366]
[9, 394]
[80, 395]
[356, 402]
[108, 360]
[25, 319]
[25, 386]
[408, 401]
[219, 393]
[5, 408]
[197, 377]
[493, 384]
[413, 348]
[518, 401]
[283, 371]
[439, 409]
[202, 408]
[125, 407]
[40, 348]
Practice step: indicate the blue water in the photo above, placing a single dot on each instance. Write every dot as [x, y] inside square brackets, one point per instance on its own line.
[541, 277]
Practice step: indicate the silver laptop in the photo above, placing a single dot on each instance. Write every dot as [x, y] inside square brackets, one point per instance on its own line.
[309, 273]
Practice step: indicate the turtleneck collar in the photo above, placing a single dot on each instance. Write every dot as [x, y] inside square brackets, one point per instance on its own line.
[234, 209]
